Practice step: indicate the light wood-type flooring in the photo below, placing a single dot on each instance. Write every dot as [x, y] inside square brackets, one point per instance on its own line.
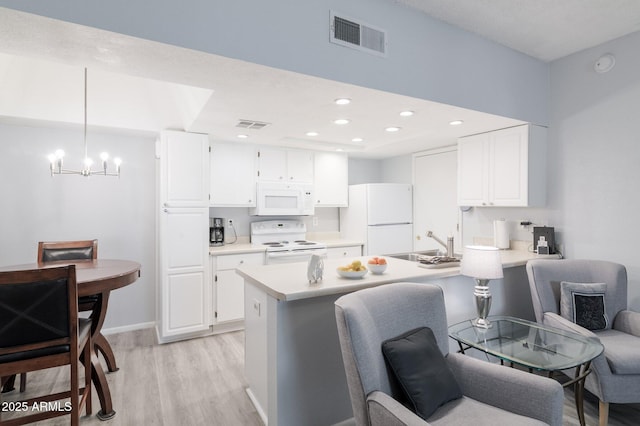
[201, 382]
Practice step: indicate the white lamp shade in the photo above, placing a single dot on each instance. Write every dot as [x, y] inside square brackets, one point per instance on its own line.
[482, 262]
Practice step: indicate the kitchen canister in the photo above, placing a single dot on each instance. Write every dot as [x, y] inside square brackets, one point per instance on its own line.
[501, 234]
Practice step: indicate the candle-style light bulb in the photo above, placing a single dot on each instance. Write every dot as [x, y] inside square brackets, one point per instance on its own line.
[117, 161]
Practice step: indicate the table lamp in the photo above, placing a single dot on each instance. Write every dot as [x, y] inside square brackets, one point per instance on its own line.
[483, 264]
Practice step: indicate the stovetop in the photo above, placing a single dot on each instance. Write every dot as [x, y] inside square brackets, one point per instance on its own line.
[282, 235]
[292, 245]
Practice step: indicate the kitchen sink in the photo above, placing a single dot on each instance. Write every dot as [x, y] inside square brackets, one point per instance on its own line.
[413, 256]
[432, 259]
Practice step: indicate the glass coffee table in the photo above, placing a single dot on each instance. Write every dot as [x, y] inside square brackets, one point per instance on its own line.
[534, 346]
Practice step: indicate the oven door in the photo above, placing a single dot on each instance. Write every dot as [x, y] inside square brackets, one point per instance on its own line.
[291, 256]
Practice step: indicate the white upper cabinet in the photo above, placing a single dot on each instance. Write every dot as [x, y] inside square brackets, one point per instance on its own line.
[331, 179]
[184, 169]
[285, 165]
[506, 167]
[233, 175]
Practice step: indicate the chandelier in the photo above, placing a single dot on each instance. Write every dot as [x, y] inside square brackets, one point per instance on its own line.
[55, 159]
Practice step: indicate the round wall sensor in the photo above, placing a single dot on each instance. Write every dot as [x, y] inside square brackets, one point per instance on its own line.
[604, 63]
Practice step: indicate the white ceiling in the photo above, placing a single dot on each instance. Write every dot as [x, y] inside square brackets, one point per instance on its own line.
[544, 29]
[138, 85]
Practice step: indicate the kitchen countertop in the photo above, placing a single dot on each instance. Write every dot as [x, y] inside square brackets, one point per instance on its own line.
[289, 281]
[239, 248]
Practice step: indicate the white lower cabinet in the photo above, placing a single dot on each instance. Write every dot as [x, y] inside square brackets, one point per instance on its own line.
[346, 252]
[228, 300]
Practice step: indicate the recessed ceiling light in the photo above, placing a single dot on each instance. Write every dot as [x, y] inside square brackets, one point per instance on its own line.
[339, 149]
[357, 140]
[456, 122]
[392, 129]
[312, 133]
[243, 136]
[406, 113]
[341, 121]
[342, 101]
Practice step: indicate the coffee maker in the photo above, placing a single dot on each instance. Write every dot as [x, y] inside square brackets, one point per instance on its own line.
[216, 231]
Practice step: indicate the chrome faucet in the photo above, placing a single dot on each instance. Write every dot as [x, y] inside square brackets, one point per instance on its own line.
[448, 245]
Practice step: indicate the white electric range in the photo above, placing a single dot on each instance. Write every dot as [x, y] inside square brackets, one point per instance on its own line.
[285, 241]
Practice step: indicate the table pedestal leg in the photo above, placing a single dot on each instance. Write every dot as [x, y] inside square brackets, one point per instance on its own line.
[100, 343]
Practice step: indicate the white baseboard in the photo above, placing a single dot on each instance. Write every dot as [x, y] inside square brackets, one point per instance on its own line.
[258, 407]
[132, 327]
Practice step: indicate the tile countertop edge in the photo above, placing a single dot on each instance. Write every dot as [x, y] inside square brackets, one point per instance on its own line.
[278, 280]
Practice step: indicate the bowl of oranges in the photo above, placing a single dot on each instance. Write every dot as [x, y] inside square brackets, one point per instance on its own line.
[377, 265]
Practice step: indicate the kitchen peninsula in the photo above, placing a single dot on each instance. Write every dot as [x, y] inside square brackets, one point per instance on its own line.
[293, 362]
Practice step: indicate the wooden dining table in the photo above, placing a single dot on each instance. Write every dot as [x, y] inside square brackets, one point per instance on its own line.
[97, 277]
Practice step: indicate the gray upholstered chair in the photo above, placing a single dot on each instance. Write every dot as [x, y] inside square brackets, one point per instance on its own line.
[615, 374]
[492, 394]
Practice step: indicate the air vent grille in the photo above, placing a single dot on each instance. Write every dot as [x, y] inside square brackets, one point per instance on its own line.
[349, 33]
[251, 124]
[346, 30]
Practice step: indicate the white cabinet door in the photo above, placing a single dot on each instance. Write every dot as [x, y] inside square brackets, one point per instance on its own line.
[300, 166]
[229, 296]
[184, 267]
[331, 179]
[229, 286]
[473, 173]
[233, 175]
[272, 164]
[508, 167]
[283, 165]
[184, 169]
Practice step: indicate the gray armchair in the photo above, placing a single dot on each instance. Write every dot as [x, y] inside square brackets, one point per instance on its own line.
[492, 394]
[615, 374]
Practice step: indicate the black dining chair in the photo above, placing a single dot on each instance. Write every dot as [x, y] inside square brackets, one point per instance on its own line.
[61, 251]
[40, 329]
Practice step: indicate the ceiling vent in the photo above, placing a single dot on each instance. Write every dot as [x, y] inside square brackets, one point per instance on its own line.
[251, 124]
[357, 35]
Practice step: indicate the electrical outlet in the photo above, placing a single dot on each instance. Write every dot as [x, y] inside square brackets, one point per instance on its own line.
[229, 223]
[315, 221]
[256, 306]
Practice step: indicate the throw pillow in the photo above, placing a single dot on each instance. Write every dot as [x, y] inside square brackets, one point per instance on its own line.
[584, 304]
[422, 371]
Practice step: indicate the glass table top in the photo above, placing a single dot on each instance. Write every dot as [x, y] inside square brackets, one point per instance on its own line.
[528, 343]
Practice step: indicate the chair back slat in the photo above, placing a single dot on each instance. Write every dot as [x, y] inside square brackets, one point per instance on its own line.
[55, 251]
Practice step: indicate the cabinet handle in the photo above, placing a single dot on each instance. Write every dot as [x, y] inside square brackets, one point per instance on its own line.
[484, 204]
[290, 177]
[166, 211]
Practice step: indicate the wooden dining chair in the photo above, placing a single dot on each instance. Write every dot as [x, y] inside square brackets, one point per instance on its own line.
[40, 329]
[60, 251]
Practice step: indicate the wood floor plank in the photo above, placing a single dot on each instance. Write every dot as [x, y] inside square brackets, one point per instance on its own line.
[201, 382]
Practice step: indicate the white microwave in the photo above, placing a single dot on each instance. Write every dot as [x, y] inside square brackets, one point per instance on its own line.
[283, 199]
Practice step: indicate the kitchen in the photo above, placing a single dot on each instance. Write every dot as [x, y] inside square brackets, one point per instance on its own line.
[589, 179]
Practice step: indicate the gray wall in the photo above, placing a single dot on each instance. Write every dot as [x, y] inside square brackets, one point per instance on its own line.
[426, 58]
[594, 152]
[118, 212]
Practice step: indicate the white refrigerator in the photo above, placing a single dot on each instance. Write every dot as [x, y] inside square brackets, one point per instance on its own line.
[381, 216]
